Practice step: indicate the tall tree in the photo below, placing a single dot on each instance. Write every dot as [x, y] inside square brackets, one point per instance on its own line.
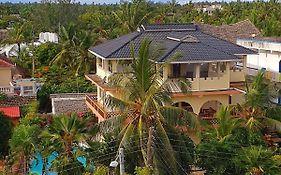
[23, 146]
[63, 137]
[132, 15]
[147, 114]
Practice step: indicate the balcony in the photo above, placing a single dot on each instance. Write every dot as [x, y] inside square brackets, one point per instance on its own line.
[98, 109]
[7, 89]
[95, 79]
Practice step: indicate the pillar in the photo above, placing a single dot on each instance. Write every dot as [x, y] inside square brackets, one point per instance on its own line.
[197, 70]
[21, 90]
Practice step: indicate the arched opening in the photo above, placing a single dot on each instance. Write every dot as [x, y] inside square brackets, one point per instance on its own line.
[209, 108]
[184, 105]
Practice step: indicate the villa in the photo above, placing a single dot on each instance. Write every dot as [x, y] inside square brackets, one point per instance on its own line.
[6, 67]
[215, 67]
[268, 58]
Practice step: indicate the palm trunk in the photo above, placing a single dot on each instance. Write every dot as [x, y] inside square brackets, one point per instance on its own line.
[150, 150]
[19, 50]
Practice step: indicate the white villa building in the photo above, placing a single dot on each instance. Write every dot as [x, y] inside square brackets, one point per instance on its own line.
[268, 58]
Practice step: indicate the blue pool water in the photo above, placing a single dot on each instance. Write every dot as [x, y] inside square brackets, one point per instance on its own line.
[37, 163]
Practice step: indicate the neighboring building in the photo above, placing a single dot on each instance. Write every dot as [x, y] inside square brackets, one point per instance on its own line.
[6, 85]
[210, 9]
[269, 57]
[48, 37]
[68, 103]
[11, 50]
[11, 106]
[27, 86]
[212, 65]
[12, 112]
[242, 29]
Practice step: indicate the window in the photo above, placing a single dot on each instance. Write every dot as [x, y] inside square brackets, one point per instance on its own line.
[99, 62]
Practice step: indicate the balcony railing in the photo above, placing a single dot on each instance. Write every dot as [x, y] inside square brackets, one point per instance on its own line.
[271, 75]
[97, 108]
[7, 89]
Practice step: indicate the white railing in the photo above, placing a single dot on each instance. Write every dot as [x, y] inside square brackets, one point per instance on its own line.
[271, 75]
[7, 89]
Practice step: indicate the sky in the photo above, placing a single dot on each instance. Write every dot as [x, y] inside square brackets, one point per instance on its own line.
[102, 1]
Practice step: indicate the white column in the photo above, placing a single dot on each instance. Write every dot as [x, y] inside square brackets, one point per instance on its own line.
[197, 70]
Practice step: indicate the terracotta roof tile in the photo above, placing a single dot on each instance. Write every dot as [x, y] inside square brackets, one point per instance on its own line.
[4, 62]
[11, 111]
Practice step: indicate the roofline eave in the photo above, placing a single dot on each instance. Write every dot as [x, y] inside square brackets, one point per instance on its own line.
[104, 58]
[199, 61]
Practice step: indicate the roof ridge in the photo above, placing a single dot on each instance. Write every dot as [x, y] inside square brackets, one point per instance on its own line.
[133, 38]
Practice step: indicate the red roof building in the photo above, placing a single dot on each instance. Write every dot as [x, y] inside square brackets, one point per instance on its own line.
[4, 62]
[12, 112]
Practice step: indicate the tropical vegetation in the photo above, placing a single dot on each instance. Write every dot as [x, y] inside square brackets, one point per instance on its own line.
[157, 137]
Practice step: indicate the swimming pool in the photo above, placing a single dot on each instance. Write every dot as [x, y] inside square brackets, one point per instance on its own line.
[37, 163]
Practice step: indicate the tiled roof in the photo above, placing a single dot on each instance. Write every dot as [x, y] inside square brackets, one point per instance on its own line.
[11, 111]
[4, 62]
[186, 39]
[242, 29]
[68, 103]
[16, 101]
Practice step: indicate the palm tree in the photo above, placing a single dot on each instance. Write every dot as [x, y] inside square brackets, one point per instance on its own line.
[63, 136]
[226, 123]
[23, 146]
[131, 16]
[256, 161]
[258, 102]
[146, 112]
[18, 34]
[74, 53]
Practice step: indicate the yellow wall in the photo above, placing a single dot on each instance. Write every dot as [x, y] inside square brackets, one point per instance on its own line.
[237, 76]
[5, 76]
[197, 102]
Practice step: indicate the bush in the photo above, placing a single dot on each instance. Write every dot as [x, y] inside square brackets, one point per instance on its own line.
[257, 160]
[2, 96]
[142, 171]
[6, 133]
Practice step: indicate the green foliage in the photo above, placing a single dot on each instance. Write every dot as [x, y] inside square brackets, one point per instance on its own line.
[58, 80]
[256, 160]
[46, 52]
[101, 170]
[2, 96]
[6, 130]
[216, 157]
[63, 136]
[142, 171]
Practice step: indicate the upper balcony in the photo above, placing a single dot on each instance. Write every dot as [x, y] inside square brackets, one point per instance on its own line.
[207, 76]
[204, 76]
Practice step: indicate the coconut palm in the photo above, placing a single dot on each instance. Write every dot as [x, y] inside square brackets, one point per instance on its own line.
[18, 34]
[74, 53]
[226, 123]
[146, 112]
[258, 105]
[23, 146]
[63, 137]
[131, 16]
